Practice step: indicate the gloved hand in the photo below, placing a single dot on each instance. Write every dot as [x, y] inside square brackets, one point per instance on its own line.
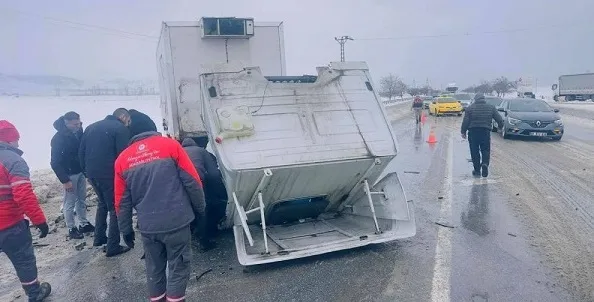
[129, 239]
[44, 229]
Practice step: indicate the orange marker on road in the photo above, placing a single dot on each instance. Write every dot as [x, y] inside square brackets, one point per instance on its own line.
[432, 139]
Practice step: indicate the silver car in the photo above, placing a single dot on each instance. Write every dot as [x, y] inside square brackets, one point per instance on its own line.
[529, 117]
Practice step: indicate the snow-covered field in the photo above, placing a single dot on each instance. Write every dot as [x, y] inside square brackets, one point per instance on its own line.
[34, 116]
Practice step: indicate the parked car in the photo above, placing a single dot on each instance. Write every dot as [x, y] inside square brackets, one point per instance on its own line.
[464, 98]
[445, 105]
[529, 117]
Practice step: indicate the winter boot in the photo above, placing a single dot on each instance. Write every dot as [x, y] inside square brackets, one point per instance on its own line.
[87, 228]
[485, 171]
[476, 173]
[40, 291]
[74, 233]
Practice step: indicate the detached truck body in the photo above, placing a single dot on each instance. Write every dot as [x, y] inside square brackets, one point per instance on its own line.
[302, 157]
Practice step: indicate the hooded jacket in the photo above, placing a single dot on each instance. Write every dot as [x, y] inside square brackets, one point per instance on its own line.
[16, 193]
[64, 154]
[206, 164]
[100, 145]
[140, 123]
[155, 176]
[480, 115]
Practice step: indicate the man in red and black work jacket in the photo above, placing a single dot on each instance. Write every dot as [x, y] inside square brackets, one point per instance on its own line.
[17, 200]
[155, 176]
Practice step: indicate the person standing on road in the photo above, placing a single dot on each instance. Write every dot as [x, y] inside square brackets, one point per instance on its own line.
[139, 122]
[155, 176]
[66, 166]
[478, 122]
[417, 106]
[16, 200]
[100, 145]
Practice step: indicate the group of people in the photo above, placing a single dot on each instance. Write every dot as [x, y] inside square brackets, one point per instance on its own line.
[176, 190]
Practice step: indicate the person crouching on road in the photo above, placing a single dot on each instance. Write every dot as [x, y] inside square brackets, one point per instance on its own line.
[155, 176]
[100, 145]
[478, 122]
[66, 166]
[210, 174]
[16, 200]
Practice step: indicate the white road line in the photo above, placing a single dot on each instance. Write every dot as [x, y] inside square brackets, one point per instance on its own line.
[440, 288]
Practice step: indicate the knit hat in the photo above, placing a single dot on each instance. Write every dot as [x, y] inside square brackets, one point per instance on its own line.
[8, 133]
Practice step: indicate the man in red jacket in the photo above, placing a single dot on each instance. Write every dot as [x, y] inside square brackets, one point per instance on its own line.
[155, 176]
[17, 200]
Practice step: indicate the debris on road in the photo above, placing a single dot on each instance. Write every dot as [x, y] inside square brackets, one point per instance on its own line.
[440, 197]
[412, 172]
[80, 246]
[203, 273]
[443, 224]
[512, 234]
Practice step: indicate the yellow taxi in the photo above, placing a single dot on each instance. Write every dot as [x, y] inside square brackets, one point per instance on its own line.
[445, 105]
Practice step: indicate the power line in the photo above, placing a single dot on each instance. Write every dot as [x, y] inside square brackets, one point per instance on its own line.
[501, 31]
[88, 27]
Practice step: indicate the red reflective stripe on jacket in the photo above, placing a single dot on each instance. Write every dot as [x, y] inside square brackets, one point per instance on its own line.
[18, 196]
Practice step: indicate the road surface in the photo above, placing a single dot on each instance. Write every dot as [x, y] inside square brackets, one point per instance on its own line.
[523, 234]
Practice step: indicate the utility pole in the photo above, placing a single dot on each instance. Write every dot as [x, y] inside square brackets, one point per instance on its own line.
[342, 40]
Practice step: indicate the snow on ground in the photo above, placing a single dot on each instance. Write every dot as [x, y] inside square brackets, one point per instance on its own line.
[34, 117]
[587, 106]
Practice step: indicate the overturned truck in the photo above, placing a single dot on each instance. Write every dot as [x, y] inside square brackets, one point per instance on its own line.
[302, 158]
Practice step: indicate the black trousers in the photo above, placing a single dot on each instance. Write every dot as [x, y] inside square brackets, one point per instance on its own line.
[479, 140]
[104, 187]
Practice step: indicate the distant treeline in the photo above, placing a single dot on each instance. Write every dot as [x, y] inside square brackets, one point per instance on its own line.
[97, 90]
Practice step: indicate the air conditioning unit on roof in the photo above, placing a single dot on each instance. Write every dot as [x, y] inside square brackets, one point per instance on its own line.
[228, 27]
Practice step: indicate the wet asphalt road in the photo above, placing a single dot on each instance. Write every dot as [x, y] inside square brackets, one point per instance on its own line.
[523, 234]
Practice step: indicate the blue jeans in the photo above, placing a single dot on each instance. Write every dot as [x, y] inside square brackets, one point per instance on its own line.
[75, 200]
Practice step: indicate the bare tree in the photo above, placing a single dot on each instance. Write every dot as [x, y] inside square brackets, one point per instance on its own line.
[484, 88]
[502, 86]
[389, 86]
[415, 91]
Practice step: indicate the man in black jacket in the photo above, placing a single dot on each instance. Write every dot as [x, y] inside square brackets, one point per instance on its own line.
[140, 123]
[100, 146]
[216, 201]
[66, 165]
[478, 122]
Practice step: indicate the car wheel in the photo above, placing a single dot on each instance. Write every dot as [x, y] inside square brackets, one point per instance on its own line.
[460, 114]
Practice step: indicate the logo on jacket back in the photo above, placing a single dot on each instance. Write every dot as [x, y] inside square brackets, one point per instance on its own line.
[141, 147]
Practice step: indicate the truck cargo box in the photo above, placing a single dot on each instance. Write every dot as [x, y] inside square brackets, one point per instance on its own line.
[303, 160]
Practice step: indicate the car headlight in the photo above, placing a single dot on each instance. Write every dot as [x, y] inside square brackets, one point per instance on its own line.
[513, 121]
[559, 122]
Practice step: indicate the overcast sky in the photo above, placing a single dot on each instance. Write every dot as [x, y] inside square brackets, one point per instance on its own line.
[541, 38]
